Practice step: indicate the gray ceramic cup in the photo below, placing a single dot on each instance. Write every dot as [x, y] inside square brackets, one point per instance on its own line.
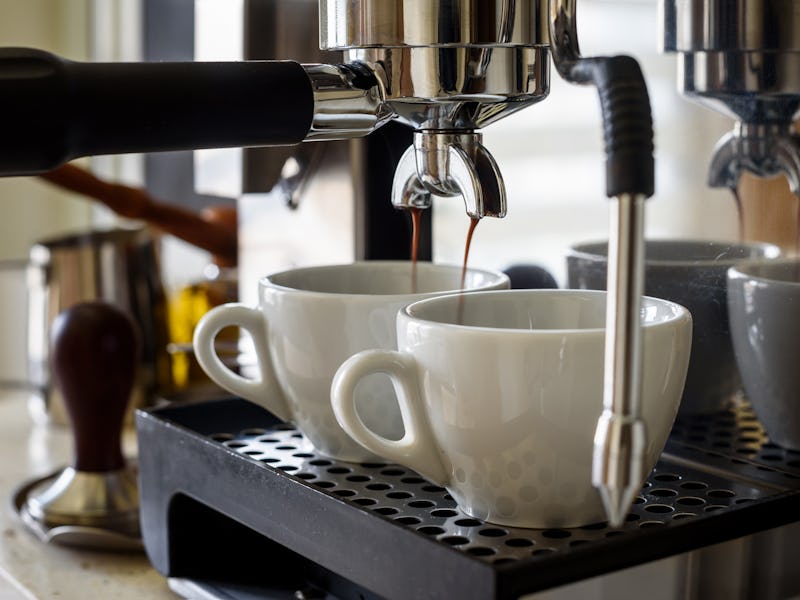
[764, 305]
[691, 273]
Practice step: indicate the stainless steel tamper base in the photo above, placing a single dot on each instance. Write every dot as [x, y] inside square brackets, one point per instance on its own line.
[78, 508]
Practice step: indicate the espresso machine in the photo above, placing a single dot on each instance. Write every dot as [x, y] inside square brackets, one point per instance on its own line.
[438, 71]
[446, 69]
[740, 59]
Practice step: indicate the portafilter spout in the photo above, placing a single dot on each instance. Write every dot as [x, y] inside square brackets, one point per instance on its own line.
[450, 164]
[765, 150]
[741, 58]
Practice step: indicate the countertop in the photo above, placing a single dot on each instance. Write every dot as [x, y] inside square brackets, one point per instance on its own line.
[41, 571]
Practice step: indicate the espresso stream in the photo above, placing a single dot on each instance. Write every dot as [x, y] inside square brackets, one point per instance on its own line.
[739, 212]
[473, 223]
[416, 214]
[416, 220]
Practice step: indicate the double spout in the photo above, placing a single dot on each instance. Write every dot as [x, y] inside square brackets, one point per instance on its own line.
[449, 164]
[763, 149]
[446, 69]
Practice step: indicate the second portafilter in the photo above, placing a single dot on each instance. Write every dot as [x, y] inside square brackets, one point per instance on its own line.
[741, 58]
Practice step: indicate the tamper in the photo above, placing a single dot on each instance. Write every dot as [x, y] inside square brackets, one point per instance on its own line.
[95, 502]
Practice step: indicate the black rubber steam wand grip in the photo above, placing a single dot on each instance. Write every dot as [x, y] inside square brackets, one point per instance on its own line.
[53, 110]
[621, 436]
[627, 121]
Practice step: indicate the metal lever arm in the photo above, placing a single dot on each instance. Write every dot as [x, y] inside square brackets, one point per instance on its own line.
[620, 438]
[53, 110]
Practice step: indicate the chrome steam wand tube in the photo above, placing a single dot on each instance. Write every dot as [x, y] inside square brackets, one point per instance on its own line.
[620, 438]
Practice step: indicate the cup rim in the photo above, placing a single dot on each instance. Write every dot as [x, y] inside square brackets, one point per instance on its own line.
[745, 270]
[494, 278]
[680, 312]
[770, 252]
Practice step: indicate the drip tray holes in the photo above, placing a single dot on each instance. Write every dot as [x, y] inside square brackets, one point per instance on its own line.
[662, 493]
[690, 501]
[481, 551]
[721, 494]
[659, 509]
[455, 540]
[519, 543]
[396, 494]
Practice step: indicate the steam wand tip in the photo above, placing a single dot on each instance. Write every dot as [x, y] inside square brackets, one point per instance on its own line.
[617, 467]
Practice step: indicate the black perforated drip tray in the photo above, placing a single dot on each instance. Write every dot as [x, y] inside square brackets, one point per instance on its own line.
[404, 498]
[718, 479]
[734, 442]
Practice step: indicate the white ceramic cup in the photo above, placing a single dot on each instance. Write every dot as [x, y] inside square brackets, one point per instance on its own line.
[502, 409]
[764, 308]
[308, 321]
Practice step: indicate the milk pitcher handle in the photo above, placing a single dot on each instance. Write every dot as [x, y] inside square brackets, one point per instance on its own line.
[416, 449]
[263, 390]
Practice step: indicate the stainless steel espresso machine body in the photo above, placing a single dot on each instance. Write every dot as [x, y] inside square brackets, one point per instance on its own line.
[441, 69]
[444, 67]
[446, 71]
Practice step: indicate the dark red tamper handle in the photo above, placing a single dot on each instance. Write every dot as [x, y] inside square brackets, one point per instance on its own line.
[94, 355]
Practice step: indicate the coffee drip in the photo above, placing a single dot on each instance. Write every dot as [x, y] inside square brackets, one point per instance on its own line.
[416, 222]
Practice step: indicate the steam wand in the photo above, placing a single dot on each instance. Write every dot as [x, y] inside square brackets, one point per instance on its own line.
[620, 439]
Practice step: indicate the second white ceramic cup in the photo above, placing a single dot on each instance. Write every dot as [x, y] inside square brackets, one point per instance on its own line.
[764, 304]
[502, 409]
[309, 321]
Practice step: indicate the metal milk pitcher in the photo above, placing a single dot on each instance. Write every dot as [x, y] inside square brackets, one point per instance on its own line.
[119, 266]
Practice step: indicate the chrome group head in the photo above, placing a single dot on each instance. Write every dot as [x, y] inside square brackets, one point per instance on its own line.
[447, 68]
[742, 59]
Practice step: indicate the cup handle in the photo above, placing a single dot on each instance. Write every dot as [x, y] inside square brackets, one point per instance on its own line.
[416, 449]
[263, 390]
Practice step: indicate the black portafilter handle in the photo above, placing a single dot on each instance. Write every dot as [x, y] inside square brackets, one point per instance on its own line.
[627, 121]
[94, 357]
[53, 110]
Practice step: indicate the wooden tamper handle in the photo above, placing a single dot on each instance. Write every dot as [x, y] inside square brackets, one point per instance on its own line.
[95, 350]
